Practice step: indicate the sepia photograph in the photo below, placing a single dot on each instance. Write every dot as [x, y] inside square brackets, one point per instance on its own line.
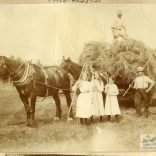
[77, 77]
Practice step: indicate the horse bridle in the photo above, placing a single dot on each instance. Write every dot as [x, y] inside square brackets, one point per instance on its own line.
[3, 65]
[67, 66]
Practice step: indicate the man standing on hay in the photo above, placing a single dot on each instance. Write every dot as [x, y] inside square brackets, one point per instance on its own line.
[119, 29]
[142, 84]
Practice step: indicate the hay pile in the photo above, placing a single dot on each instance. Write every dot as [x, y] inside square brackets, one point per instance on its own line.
[120, 60]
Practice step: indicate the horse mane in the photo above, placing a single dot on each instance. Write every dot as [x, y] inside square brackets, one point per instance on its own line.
[39, 69]
[54, 66]
[76, 64]
[76, 69]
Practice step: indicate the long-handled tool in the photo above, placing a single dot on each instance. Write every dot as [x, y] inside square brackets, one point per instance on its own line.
[134, 80]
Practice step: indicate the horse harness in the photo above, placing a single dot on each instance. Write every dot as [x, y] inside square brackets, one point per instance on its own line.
[27, 76]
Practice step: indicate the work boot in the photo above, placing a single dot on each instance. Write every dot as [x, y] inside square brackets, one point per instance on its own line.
[117, 118]
[147, 114]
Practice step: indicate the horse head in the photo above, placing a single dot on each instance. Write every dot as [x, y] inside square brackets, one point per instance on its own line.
[9, 67]
[4, 71]
[71, 67]
[66, 63]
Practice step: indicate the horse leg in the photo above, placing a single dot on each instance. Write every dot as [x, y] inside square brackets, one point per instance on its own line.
[68, 99]
[26, 105]
[58, 106]
[32, 109]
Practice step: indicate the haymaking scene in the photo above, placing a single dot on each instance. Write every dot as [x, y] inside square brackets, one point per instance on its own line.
[77, 78]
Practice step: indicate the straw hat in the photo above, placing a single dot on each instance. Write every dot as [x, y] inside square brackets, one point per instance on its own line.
[119, 12]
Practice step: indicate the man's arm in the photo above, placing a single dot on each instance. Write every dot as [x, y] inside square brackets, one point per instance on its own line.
[152, 83]
[125, 30]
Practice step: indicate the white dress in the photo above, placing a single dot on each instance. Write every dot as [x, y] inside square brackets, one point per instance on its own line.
[97, 98]
[111, 104]
[83, 107]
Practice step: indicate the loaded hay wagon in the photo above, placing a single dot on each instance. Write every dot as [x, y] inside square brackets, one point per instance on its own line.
[120, 61]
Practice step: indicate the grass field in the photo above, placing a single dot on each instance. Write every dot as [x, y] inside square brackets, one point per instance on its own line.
[63, 136]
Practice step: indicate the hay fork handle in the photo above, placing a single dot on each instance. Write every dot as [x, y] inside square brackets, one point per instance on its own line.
[128, 88]
[75, 92]
[134, 80]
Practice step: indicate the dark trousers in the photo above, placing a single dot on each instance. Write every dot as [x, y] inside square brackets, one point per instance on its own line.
[141, 98]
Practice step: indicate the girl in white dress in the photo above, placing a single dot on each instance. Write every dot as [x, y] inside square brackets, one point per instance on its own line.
[111, 104]
[97, 98]
[83, 107]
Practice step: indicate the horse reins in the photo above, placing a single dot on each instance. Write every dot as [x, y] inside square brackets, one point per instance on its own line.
[18, 73]
[49, 86]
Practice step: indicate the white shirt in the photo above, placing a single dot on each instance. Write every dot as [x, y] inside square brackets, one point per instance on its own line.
[141, 82]
[118, 24]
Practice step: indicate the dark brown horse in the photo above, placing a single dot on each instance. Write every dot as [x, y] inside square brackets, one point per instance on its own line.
[71, 67]
[32, 81]
[75, 70]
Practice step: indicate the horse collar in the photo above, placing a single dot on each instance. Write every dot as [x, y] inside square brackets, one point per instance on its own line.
[27, 76]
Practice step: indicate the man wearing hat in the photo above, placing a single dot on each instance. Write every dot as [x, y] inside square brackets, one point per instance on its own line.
[142, 84]
[119, 28]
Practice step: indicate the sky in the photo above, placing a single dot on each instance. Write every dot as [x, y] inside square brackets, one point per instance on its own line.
[50, 31]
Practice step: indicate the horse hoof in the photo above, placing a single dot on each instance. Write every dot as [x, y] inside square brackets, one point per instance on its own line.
[56, 118]
[31, 124]
[28, 124]
[70, 119]
[147, 115]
